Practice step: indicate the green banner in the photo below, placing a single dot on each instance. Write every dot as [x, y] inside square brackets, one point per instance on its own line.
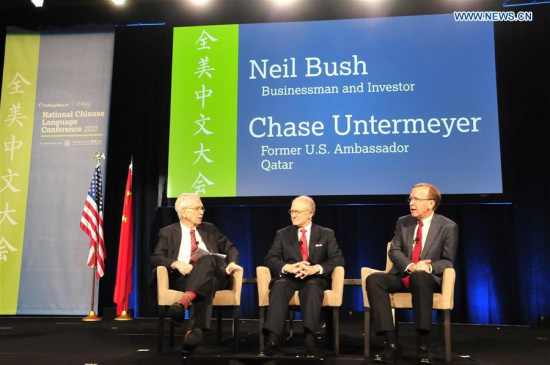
[17, 113]
[203, 129]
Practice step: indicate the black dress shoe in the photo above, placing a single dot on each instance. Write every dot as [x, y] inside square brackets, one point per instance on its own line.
[311, 350]
[193, 339]
[176, 312]
[424, 356]
[390, 354]
[273, 349]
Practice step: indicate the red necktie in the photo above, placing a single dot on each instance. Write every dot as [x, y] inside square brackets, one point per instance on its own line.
[415, 257]
[303, 245]
[194, 245]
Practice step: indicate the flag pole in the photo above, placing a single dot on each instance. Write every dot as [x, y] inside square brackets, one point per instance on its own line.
[124, 315]
[92, 317]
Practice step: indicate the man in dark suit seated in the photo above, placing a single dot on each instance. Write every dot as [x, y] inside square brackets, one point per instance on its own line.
[178, 249]
[302, 258]
[423, 246]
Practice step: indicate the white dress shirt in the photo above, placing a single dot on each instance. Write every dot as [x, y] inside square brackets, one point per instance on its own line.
[184, 254]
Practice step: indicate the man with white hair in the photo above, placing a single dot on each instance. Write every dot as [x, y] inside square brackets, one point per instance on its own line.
[198, 277]
[302, 258]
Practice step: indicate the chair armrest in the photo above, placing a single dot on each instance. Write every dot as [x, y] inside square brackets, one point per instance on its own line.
[338, 280]
[448, 288]
[237, 283]
[365, 272]
[334, 296]
[263, 276]
[165, 295]
[162, 280]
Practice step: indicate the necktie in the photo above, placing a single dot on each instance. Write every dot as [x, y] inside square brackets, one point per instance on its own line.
[194, 245]
[415, 257]
[303, 245]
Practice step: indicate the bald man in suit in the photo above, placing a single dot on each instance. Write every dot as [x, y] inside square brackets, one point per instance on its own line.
[301, 258]
[419, 271]
[198, 280]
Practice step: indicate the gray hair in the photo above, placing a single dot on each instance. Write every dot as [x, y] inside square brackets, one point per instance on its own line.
[182, 201]
[309, 201]
[433, 193]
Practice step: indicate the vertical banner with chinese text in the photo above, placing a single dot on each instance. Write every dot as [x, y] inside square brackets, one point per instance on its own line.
[204, 104]
[66, 122]
[17, 110]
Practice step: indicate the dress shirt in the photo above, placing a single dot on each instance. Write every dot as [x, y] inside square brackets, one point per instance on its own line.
[425, 228]
[184, 254]
[308, 235]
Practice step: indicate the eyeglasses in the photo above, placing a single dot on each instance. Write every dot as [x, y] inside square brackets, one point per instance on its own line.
[416, 200]
[196, 209]
[297, 211]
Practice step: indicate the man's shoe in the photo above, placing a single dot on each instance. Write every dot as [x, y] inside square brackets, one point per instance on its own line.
[424, 356]
[176, 312]
[273, 349]
[390, 354]
[193, 339]
[311, 350]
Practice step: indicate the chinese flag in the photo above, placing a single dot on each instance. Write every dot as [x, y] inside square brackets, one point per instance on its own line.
[123, 285]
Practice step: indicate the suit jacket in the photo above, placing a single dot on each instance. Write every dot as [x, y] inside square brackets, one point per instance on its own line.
[323, 250]
[168, 246]
[440, 246]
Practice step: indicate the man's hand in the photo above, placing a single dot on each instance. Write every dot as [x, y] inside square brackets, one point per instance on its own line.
[423, 265]
[230, 268]
[295, 268]
[307, 270]
[182, 267]
[301, 269]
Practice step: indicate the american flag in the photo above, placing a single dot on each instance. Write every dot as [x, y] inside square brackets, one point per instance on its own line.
[92, 222]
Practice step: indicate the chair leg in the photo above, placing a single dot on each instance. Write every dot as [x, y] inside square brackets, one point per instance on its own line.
[329, 331]
[162, 311]
[336, 329]
[291, 326]
[367, 332]
[235, 329]
[219, 323]
[440, 323]
[172, 330]
[447, 320]
[395, 322]
[261, 321]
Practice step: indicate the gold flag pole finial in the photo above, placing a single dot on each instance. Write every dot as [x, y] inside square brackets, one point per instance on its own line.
[99, 155]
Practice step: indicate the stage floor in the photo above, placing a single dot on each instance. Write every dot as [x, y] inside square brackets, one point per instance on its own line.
[68, 340]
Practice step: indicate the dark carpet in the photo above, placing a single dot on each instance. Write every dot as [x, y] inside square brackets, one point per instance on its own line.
[68, 340]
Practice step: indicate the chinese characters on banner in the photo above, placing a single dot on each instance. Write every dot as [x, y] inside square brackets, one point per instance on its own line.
[203, 113]
[16, 117]
[204, 72]
[12, 143]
